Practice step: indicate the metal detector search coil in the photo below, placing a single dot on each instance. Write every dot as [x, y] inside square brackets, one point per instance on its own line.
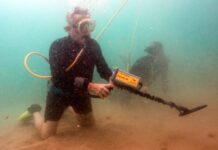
[132, 83]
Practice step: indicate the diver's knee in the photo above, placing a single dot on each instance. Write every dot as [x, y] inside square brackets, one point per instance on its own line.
[48, 129]
[45, 136]
[86, 120]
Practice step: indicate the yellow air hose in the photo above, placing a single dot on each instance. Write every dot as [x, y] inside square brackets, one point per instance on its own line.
[132, 46]
[111, 19]
[28, 68]
[81, 51]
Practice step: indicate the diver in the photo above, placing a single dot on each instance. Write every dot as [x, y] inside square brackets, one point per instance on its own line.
[70, 85]
[152, 66]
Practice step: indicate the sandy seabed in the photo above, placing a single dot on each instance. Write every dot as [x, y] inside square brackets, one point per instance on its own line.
[145, 126]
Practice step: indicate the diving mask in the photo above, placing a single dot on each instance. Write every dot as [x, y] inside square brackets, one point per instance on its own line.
[85, 26]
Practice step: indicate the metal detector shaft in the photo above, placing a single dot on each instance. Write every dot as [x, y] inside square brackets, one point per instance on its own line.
[182, 110]
[132, 83]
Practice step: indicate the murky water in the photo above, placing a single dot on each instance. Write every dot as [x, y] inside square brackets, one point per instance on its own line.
[187, 29]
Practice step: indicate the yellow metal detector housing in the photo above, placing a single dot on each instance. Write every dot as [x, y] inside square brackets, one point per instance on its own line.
[126, 79]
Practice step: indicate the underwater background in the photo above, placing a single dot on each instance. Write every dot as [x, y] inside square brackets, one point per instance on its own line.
[188, 29]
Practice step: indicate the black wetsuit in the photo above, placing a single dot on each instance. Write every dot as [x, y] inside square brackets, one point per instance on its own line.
[69, 88]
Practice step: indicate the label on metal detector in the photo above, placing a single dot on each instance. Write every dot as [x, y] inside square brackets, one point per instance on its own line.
[127, 79]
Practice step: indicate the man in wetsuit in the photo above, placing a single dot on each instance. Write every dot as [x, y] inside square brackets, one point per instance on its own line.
[152, 66]
[70, 84]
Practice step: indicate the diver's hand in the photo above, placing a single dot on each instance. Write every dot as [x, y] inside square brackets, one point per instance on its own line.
[102, 90]
[111, 82]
